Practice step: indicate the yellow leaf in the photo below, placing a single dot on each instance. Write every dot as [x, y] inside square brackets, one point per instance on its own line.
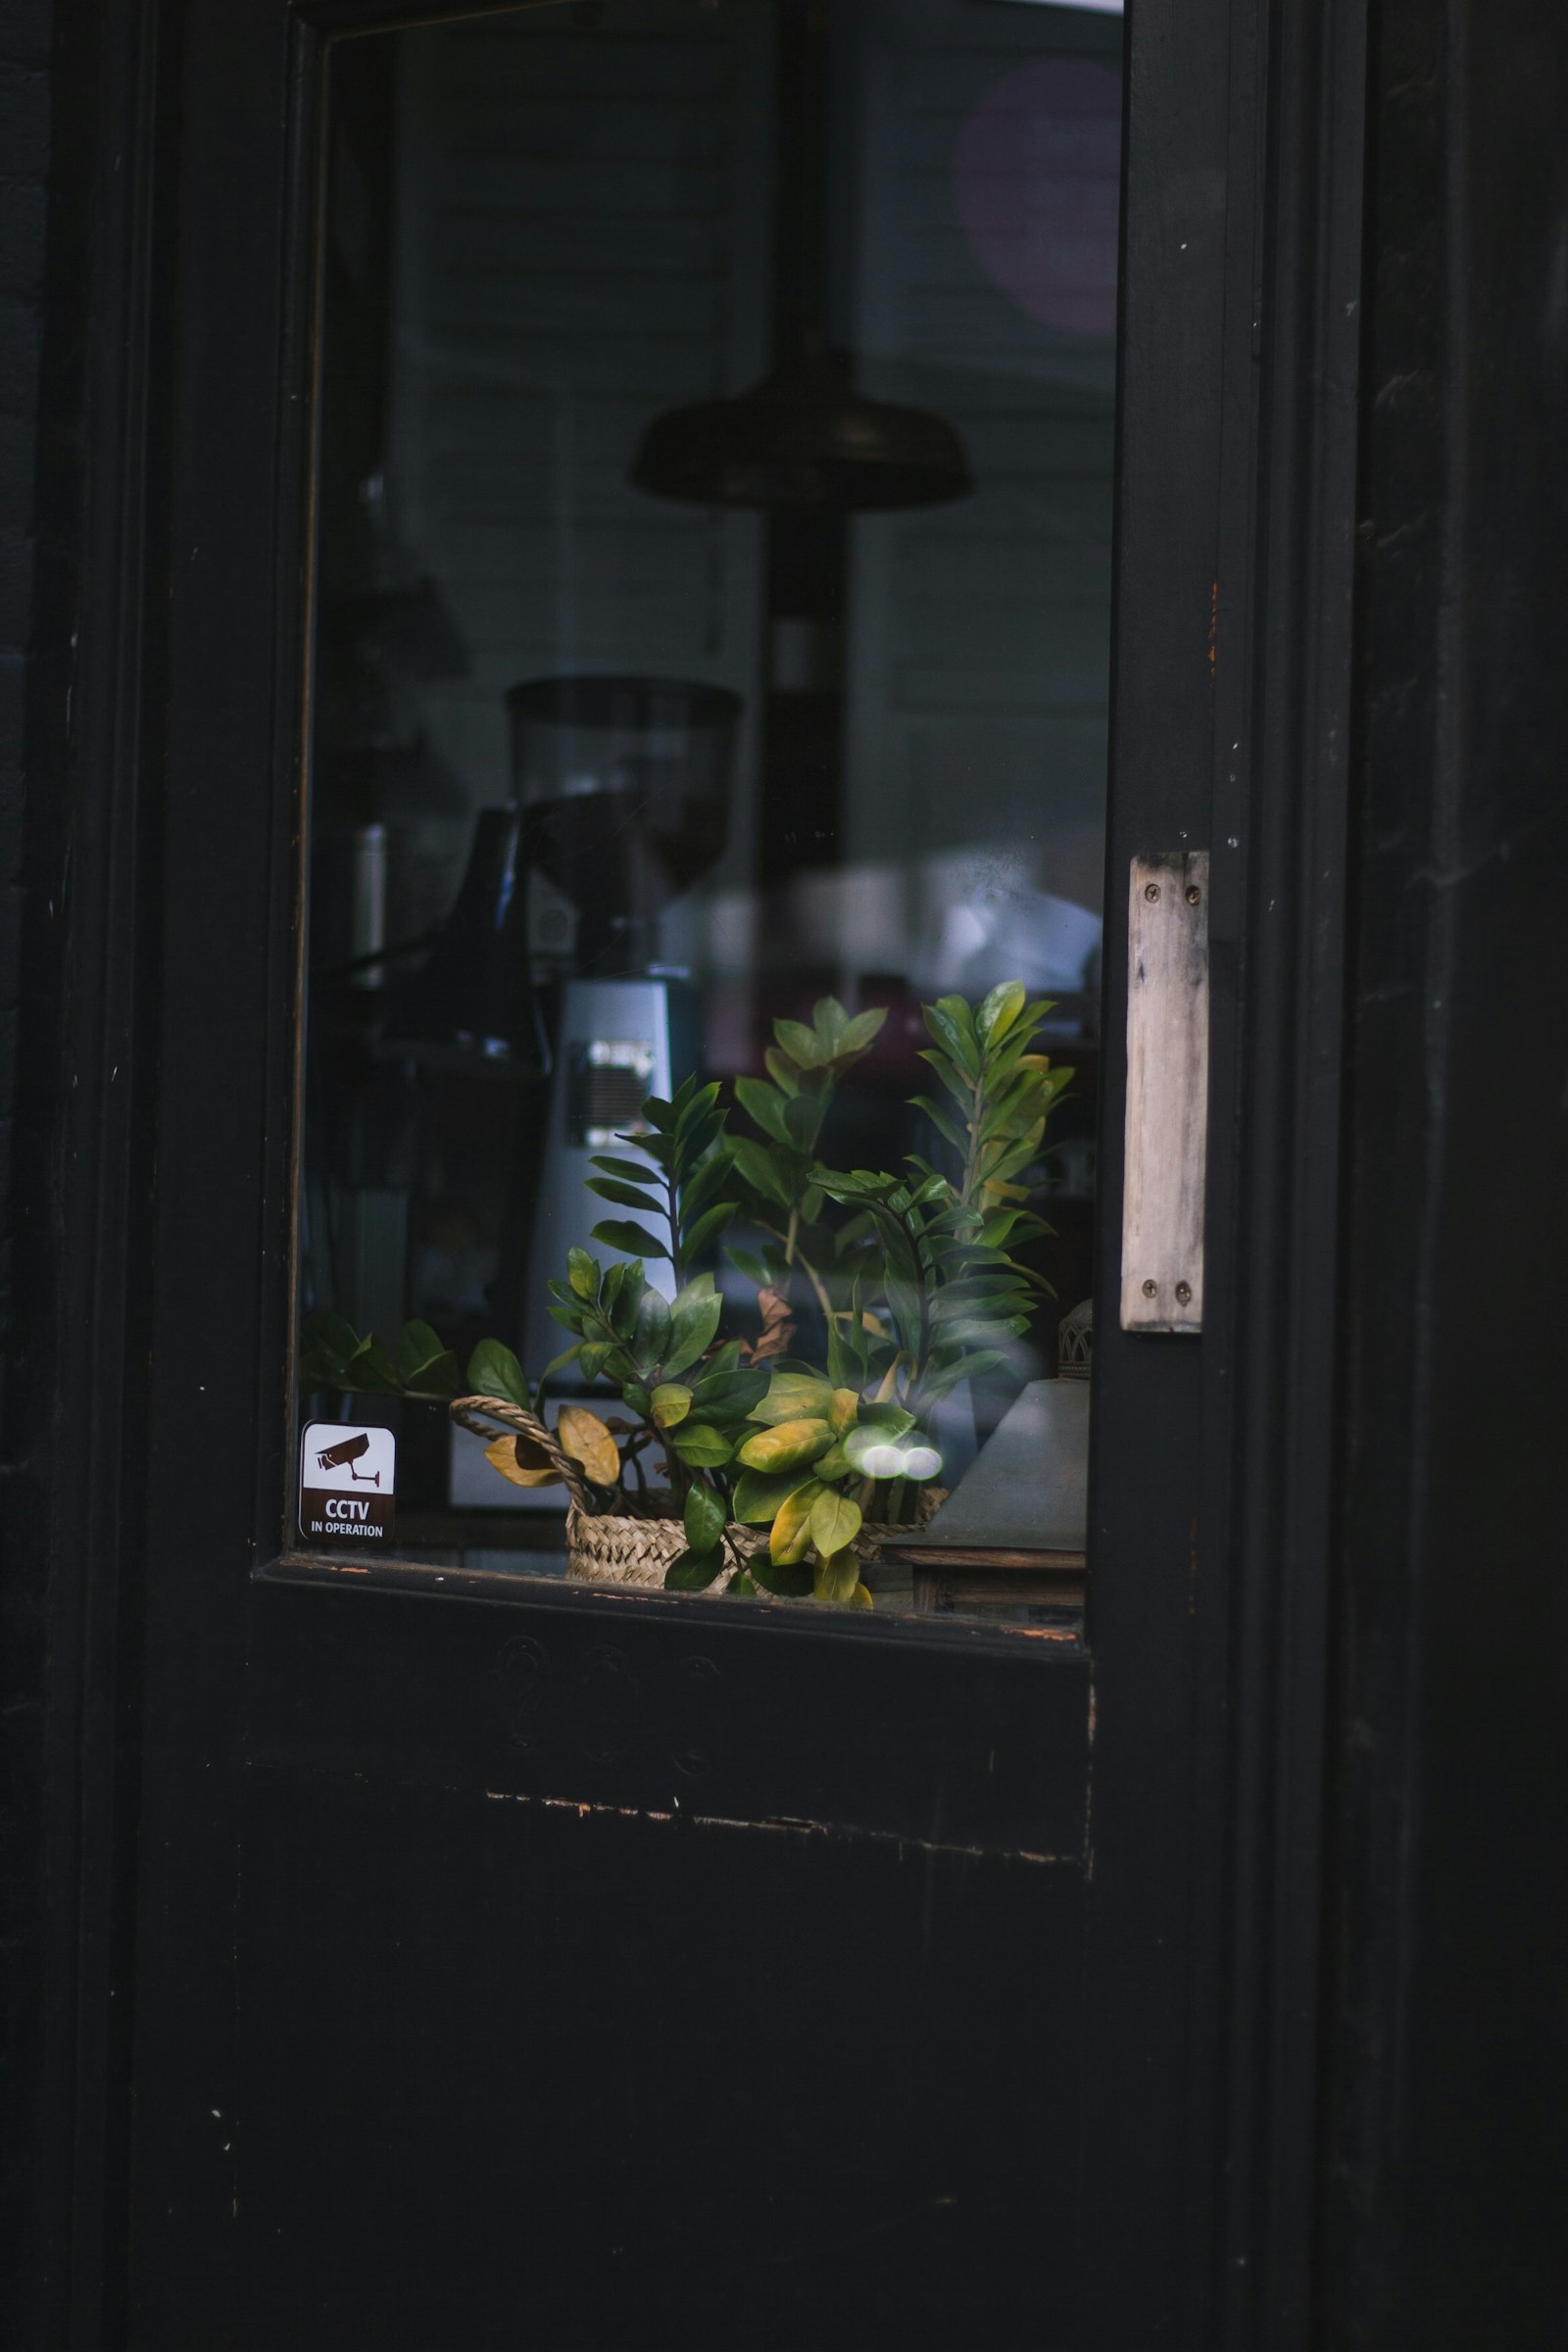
[671, 1404]
[860, 1599]
[790, 1447]
[835, 1522]
[523, 1462]
[842, 1412]
[792, 1528]
[585, 1438]
[837, 1578]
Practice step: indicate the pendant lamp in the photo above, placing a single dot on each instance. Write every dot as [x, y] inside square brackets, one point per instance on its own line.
[804, 436]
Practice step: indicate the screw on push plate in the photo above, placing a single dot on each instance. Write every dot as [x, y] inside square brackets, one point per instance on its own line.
[1151, 1287]
[1194, 893]
[1184, 1292]
[1151, 890]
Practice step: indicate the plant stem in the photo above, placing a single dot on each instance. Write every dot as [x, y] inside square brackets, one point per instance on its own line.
[971, 1161]
[675, 1227]
[794, 1256]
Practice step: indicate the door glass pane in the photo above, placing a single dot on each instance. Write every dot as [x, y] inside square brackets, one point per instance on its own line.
[706, 796]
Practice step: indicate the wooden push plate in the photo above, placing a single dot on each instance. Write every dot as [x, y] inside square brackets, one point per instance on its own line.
[1167, 1094]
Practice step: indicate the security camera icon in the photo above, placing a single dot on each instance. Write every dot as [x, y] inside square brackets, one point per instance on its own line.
[347, 1452]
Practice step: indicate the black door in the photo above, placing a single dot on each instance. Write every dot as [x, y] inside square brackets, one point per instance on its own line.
[523, 1959]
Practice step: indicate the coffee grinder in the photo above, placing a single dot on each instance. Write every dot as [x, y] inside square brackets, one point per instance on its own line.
[623, 789]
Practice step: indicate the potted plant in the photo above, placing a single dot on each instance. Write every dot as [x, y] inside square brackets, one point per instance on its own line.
[775, 1462]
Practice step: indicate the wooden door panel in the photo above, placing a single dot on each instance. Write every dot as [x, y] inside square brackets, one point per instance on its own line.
[483, 1933]
[664, 1707]
[517, 2073]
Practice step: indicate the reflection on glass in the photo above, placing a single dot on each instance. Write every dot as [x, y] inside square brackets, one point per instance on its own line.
[710, 675]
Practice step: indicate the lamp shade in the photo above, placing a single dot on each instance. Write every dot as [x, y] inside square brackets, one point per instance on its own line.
[803, 437]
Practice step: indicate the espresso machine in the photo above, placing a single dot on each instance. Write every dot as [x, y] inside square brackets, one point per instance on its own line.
[623, 788]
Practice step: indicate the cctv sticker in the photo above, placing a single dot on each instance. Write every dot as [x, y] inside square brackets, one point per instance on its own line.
[346, 1483]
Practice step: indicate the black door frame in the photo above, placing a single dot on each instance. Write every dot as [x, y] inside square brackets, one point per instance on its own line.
[1233, 627]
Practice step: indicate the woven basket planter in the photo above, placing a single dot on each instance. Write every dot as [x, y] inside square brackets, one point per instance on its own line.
[625, 1547]
[614, 1547]
[636, 1547]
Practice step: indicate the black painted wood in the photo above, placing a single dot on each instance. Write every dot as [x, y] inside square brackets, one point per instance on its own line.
[984, 1745]
[404, 2015]
[72, 94]
[1448, 2207]
[524, 2075]
[664, 1708]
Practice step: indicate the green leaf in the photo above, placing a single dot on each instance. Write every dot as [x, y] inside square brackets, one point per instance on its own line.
[856, 1035]
[693, 1322]
[622, 1294]
[951, 1024]
[329, 1336]
[693, 1109]
[802, 1044]
[803, 1120]
[650, 1333]
[595, 1356]
[634, 1239]
[559, 1363]
[693, 1571]
[705, 1517]
[370, 1371]
[729, 1395]
[582, 1273]
[758, 1497]
[703, 1139]
[835, 1464]
[670, 1405]
[414, 1347]
[701, 1446]
[953, 1078]
[835, 1522]
[756, 1166]
[792, 1582]
[828, 1020]
[941, 1121]
[781, 1071]
[633, 1171]
[494, 1371]
[741, 1585]
[610, 1188]
[747, 1262]
[763, 1104]
[707, 1227]
[425, 1366]
[855, 1184]
[1000, 1010]
[699, 1188]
